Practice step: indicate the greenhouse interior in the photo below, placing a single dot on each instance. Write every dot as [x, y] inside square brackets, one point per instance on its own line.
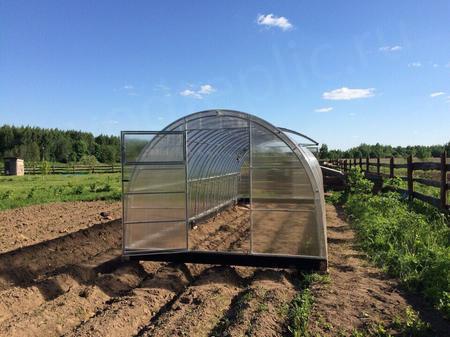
[223, 187]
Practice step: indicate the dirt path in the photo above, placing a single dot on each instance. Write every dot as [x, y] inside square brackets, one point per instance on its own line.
[359, 295]
[70, 282]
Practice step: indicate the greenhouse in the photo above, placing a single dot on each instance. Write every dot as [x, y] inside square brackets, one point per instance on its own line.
[223, 187]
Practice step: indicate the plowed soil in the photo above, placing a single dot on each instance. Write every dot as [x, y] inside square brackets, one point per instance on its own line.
[61, 275]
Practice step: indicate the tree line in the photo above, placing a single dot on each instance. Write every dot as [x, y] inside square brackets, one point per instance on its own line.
[378, 150]
[37, 144]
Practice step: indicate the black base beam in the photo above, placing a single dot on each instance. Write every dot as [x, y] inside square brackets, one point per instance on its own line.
[236, 259]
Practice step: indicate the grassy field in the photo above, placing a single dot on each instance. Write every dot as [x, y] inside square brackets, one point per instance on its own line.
[39, 189]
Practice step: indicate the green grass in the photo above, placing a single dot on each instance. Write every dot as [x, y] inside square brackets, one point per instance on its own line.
[300, 307]
[411, 241]
[40, 189]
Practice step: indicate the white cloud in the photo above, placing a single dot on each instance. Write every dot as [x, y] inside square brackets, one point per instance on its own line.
[436, 94]
[192, 93]
[271, 20]
[414, 65]
[327, 109]
[128, 87]
[348, 94]
[390, 48]
[204, 90]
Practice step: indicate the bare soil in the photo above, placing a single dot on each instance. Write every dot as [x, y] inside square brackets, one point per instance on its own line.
[66, 279]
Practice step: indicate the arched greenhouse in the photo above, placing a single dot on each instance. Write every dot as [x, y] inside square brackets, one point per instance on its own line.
[223, 186]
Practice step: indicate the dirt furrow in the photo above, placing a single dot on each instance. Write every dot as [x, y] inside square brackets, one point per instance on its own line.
[124, 316]
[156, 297]
[78, 303]
[21, 267]
[261, 308]
[26, 226]
[196, 311]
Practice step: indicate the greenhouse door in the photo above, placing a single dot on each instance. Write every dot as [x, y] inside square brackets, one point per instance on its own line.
[154, 191]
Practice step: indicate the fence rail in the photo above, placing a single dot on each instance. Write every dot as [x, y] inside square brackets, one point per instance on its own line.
[441, 180]
[71, 169]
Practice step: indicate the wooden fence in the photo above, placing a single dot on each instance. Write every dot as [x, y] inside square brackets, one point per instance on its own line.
[373, 171]
[74, 169]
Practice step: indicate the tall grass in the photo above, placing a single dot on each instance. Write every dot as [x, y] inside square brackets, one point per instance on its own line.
[410, 241]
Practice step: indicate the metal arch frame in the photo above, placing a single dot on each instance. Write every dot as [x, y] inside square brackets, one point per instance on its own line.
[299, 134]
[256, 259]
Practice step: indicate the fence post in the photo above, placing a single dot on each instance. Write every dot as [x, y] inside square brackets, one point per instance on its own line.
[360, 163]
[378, 165]
[345, 165]
[349, 163]
[354, 163]
[410, 177]
[367, 164]
[444, 180]
[391, 167]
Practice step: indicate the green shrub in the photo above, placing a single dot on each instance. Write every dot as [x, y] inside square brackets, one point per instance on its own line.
[78, 189]
[45, 167]
[411, 242]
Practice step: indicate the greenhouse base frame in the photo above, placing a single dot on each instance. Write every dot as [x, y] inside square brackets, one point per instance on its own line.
[303, 263]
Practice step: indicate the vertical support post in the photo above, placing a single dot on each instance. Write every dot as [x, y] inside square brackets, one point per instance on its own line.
[354, 162]
[349, 164]
[410, 177]
[391, 167]
[367, 164]
[378, 165]
[345, 165]
[250, 176]
[444, 180]
[122, 163]
[186, 183]
[360, 163]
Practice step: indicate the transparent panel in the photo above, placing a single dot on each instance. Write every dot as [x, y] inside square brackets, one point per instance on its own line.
[282, 232]
[154, 207]
[150, 178]
[164, 147]
[155, 236]
[281, 183]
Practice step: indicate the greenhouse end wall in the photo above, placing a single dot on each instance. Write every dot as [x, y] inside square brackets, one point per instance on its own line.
[211, 161]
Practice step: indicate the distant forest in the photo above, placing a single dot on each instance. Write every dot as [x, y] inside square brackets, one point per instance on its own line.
[35, 144]
[378, 150]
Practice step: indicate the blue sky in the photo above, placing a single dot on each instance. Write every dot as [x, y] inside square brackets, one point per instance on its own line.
[343, 72]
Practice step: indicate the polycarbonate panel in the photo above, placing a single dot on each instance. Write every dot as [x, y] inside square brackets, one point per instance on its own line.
[281, 232]
[270, 151]
[155, 236]
[149, 178]
[281, 183]
[153, 147]
[154, 207]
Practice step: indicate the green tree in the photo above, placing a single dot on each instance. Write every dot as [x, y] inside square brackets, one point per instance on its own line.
[323, 152]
